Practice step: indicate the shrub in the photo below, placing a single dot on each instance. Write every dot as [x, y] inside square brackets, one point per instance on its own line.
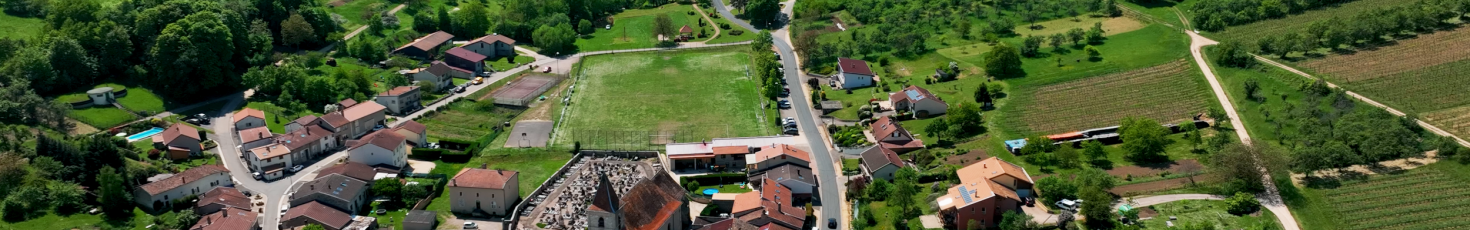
[737, 32]
[426, 154]
[1242, 203]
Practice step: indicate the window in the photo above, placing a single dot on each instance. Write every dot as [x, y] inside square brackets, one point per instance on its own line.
[599, 222]
[461, 193]
[477, 194]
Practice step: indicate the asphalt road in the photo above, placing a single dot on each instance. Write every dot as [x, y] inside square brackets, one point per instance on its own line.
[826, 172]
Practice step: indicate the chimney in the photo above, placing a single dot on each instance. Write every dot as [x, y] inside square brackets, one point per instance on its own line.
[484, 166]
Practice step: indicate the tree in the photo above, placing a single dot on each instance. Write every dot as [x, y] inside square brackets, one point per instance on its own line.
[1097, 207]
[939, 129]
[395, 81]
[192, 55]
[552, 39]
[472, 20]
[1056, 41]
[1242, 165]
[1030, 47]
[24, 202]
[412, 194]
[61, 12]
[1094, 150]
[1235, 54]
[1191, 134]
[1017, 221]
[966, 117]
[1067, 157]
[762, 13]
[1092, 52]
[424, 22]
[880, 190]
[445, 22]
[1003, 61]
[295, 31]
[962, 27]
[388, 188]
[1095, 178]
[1110, 8]
[1054, 189]
[762, 42]
[1144, 139]
[1076, 36]
[313, 227]
[664, 25]
[1095, 35]
[584, 27]
[1242, 203]
[982, 95]
[66, 198]
[113, 194]
[905, 186]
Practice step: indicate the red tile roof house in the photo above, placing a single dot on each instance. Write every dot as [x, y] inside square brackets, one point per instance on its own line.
[919, 101]
[799, 179]
[400, 100]
[301, 145]
[493, 46]
[255, 137]
[462, 58]
[221, 198]
[484, 192]
[354, 119]
[355, 171]
[423, 48]
[248, 118]
[383, 147]
[987, 189]
[892, 135]
[320, 214]
[179, 141]
[437, 72]
[195, 181]
[776, 155]
[228, 219]
[853, 73]
[881, 163]
[301, 122]
[654, 203]
[416, 133]
[771, 207]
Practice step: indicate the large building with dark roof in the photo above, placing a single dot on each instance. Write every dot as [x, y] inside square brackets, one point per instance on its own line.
[227, 219]
[423, 48]
[221, 198]
[771, 207]
[656, 203]
[336, 190]
[321, 214]
[798, 178]
[881, 163]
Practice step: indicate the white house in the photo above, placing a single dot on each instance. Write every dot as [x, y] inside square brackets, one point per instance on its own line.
[852, 73]
[255, 137]
[383, 147]
[918, 100]
[437, 72]
[479, 191]
[881, 163]
[414, 132]
[195, 181]
[492, 46]
[400, 100]
[249, 118]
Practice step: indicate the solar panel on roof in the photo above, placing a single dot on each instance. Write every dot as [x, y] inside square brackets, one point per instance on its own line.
[914, 94]
[965, 194]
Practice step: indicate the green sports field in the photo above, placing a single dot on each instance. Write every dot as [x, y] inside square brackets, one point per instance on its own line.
[641, 100]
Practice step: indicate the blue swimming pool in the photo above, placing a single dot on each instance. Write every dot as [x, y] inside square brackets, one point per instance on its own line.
[710, 191]
[144, 134]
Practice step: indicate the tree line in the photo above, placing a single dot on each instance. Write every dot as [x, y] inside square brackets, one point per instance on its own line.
[51, 175]
[1216, 15]
[1368, 27]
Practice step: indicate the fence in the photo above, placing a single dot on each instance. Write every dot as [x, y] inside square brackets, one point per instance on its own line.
[511, 220]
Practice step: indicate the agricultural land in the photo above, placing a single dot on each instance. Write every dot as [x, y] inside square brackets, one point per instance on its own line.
[633, 28]
[1430, 197]
[645, 98]
[1206, 212]
[1296, 23]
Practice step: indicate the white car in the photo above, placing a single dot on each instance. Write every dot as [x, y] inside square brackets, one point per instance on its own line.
[296, 168]
[470, 225]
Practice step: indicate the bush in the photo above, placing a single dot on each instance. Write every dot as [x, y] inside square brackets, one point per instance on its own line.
[455, 156]
[1242, 203]
[454, 144]
[737, 32]
[714, 178]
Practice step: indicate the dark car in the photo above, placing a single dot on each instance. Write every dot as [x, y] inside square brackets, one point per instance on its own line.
[791, 131]
[832, 223]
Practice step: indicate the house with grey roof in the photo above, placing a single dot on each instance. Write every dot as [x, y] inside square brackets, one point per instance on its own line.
[338, 191]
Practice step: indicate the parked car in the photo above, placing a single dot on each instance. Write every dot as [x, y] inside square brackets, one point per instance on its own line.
[295, 169]
[778, 55]
[832, 223]
[479, 80]
[257, 176]
[790, 120]
[791, 131]
[783, 105]
[546, 69]
[459, 89]
[1066, 204]
[470, 225]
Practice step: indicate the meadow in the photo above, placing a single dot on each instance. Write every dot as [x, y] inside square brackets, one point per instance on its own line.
[633, 29]
[467, 120]
[1296, 23]
[18, 27]
[1207, 212]
[636, 100]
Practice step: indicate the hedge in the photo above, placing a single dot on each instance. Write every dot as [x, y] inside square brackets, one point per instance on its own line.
[426, 154]
[455, 144]
[715, 178]
[456, 156]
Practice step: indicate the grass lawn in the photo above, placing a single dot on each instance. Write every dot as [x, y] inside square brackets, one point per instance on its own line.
[886, 213]
[393, 217]
[353, 11]
[640, 100]
[725, 36]
[500, 64]
[467, 120]
[534, 165]
[277, 117]
[448, 169]
[138, 221]
[728, 188]
[633, 28]
[19, 28]
[1161, 10]
[102, 117]
[851, 103]
[140, 99]
[850, 164]
[1207, 212]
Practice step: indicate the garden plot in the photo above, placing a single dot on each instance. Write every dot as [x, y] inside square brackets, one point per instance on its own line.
[1167, 92]
[468, 120]
[1418, 199]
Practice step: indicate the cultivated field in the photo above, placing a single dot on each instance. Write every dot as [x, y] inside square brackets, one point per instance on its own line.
[1167, 92]
[1454, 120]
[467, 120]
[1410, 54]
[638, 100]
[1297, 23]
[1418, 199]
